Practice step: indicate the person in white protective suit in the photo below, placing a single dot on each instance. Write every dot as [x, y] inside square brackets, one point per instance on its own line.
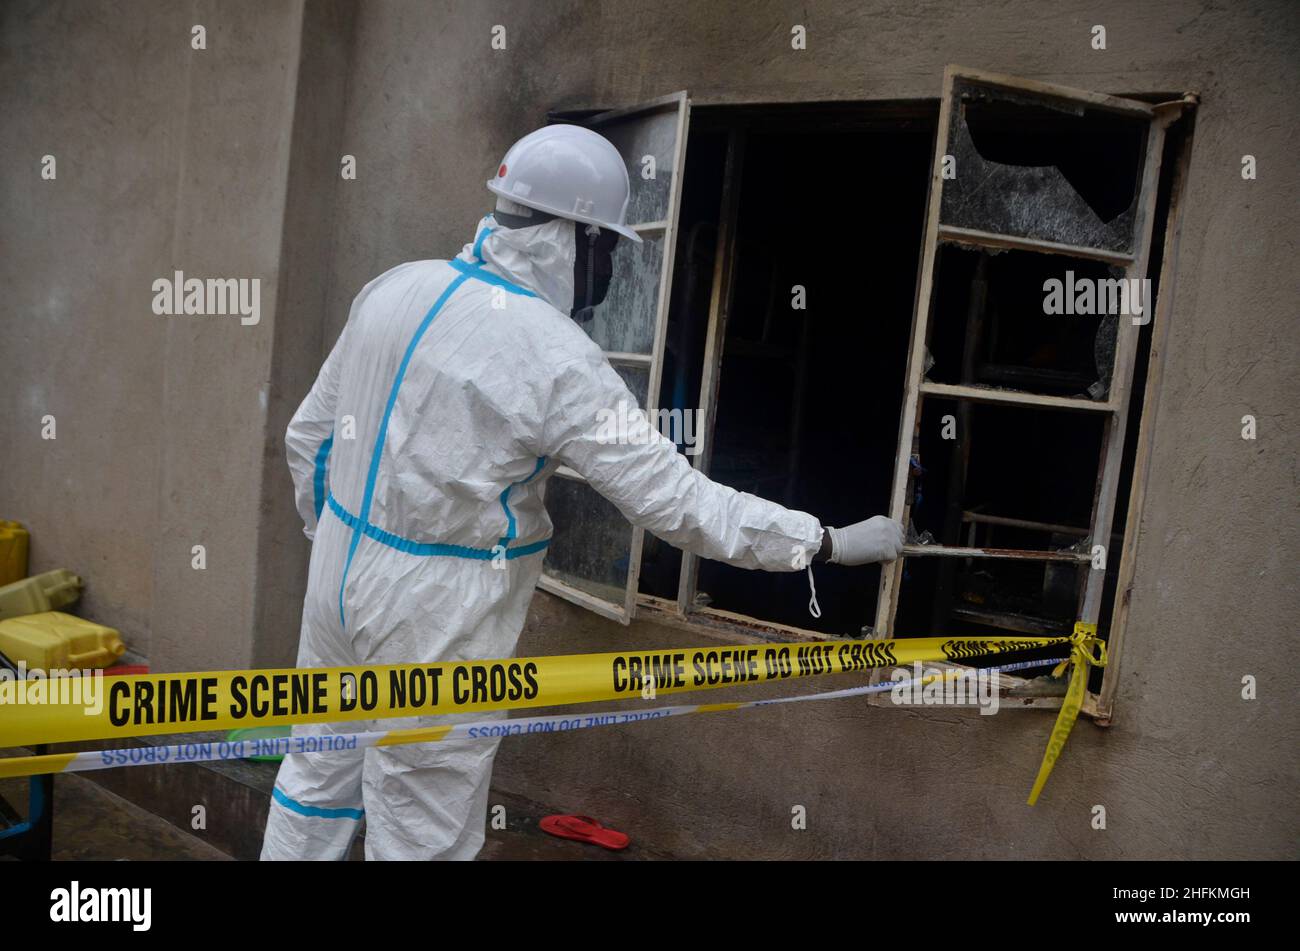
[467, 383]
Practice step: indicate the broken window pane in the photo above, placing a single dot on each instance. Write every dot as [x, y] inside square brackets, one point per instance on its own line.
[648, 143]
[992, 321]
[625, 321]
[1042, 168]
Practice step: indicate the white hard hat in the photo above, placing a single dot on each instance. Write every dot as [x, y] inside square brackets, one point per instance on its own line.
[568, 171]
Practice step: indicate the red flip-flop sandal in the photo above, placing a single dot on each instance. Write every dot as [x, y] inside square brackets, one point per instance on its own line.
[584, 829]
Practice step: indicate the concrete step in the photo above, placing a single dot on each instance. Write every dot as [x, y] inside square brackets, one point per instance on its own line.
[91, 823]
[235, 794]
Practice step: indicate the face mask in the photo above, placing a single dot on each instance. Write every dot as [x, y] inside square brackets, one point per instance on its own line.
[593, 268]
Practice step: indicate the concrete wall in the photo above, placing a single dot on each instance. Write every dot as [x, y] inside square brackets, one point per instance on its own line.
[168, 427]
[105, 95]
[168, 435]
[306, 252]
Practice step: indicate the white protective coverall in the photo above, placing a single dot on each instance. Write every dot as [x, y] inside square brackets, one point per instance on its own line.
[462, 411]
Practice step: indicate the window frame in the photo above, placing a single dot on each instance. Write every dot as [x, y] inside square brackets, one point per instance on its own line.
[1116, 406]
[653, 361]
[682, 612]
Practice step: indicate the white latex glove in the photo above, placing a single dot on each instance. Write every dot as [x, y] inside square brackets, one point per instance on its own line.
[879, 538]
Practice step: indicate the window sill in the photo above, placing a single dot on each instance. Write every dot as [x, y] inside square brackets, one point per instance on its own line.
[724, 626]
[731, 628]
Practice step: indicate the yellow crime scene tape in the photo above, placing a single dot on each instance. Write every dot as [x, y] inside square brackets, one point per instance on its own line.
[45, 711]
[206, 751]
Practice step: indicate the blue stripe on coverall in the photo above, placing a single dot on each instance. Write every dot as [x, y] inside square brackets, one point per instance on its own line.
[478, 244]
[360, 523]
[509, 536]
[318, 481]
[412, 547]
[316, 812]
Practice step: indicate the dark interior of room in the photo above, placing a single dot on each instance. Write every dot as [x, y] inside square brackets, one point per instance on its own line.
[989, 328]
[809, 400]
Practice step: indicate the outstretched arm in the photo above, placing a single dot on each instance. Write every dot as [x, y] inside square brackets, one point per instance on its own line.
[656, 488]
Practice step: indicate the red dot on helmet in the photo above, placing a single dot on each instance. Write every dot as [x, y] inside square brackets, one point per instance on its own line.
[501, 172]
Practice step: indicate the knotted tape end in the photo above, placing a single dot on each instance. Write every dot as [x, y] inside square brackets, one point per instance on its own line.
[1086, 650]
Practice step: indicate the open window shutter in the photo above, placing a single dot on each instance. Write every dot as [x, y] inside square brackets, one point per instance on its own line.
[595, 554]
[997, 205]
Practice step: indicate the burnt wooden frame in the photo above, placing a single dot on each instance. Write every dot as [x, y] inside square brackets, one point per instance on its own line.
[1115, 407]
[731, 627]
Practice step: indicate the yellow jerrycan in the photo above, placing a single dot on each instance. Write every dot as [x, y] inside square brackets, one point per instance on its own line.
[47, 591]
[53, 640]
[13, 551]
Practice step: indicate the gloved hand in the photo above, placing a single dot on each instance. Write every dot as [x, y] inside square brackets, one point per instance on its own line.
[879, 538]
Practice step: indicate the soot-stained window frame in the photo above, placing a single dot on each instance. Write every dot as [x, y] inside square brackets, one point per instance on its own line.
[684, 611]
[1115, 406]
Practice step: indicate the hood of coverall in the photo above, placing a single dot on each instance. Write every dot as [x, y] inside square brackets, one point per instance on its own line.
[539, 257]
